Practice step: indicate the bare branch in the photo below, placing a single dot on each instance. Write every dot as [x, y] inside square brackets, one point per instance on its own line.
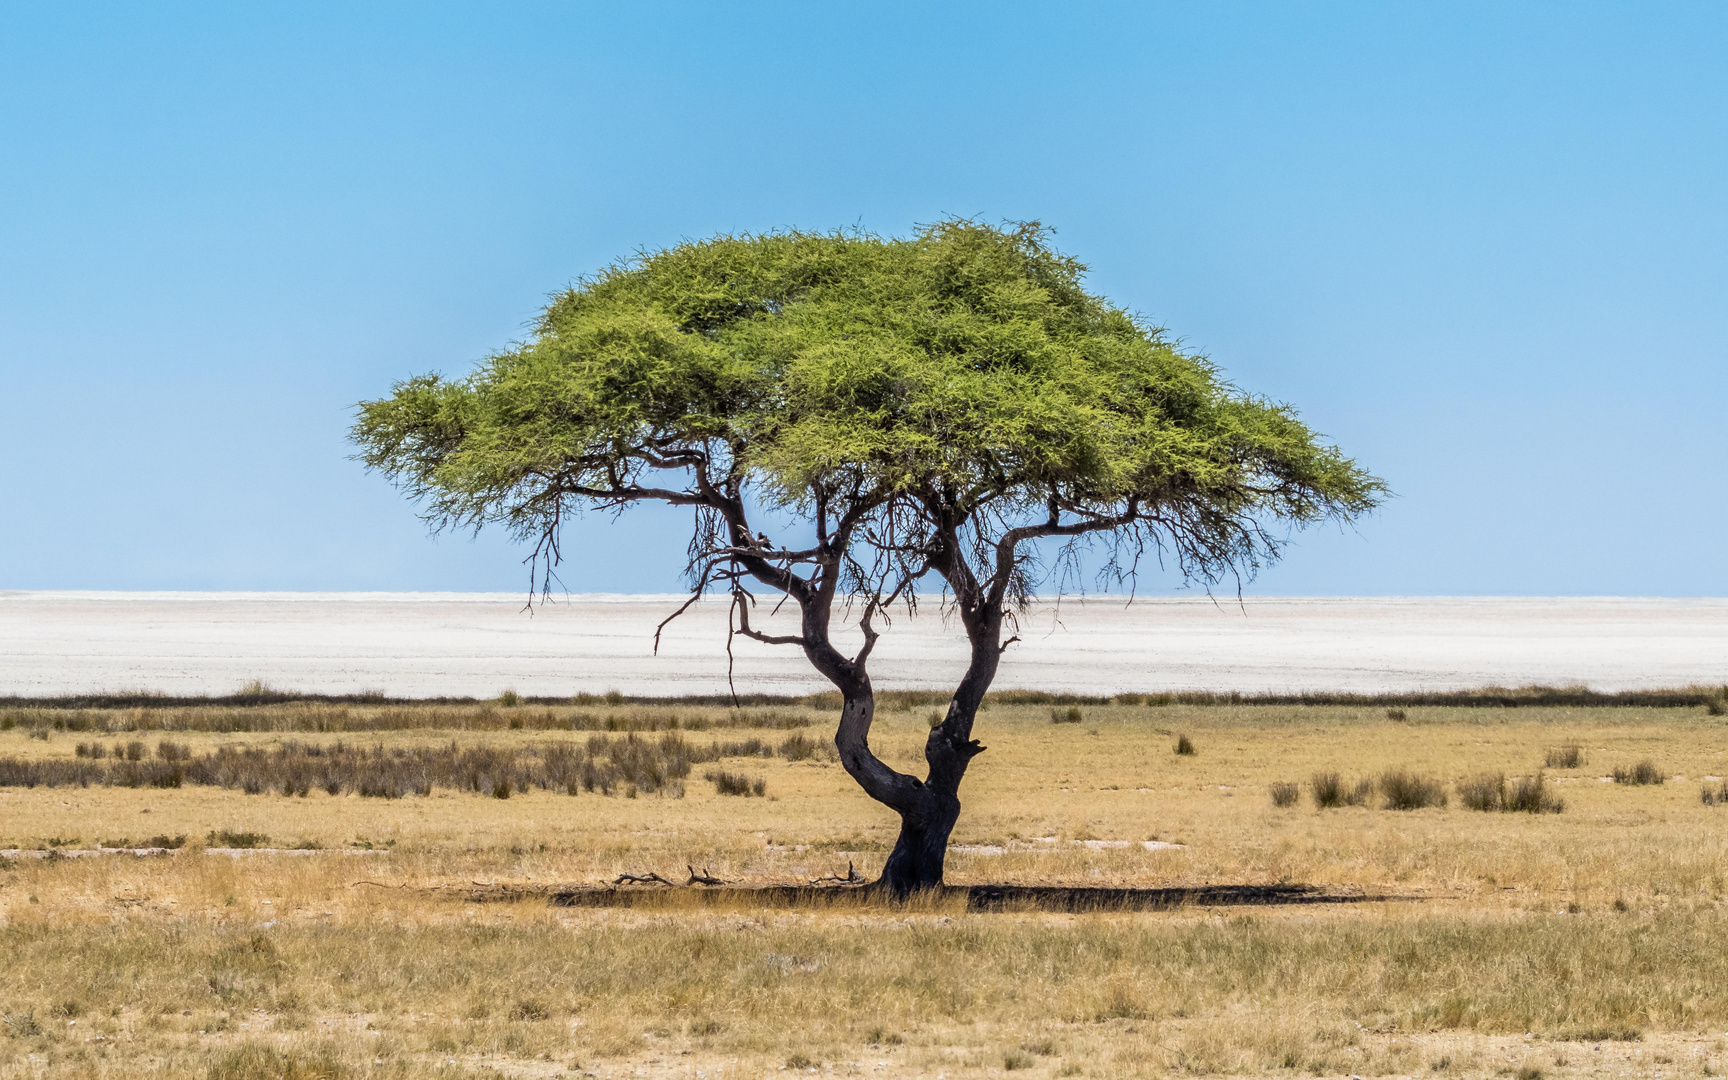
[745, 628]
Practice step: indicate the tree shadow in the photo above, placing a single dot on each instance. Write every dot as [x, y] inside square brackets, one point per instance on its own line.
[982, 898]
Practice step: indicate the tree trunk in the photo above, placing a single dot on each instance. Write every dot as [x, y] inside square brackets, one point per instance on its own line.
[928, 808]
[916, 863]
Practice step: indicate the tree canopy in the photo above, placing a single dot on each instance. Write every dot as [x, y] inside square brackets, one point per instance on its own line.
[929, 405]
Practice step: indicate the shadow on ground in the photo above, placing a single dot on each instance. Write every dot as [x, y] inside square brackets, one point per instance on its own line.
[1055, 898]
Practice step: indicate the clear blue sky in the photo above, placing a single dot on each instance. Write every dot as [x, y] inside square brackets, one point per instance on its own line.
[1484, 247]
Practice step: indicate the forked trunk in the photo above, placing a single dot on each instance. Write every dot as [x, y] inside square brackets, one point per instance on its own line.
[928, 808]
[915, 864]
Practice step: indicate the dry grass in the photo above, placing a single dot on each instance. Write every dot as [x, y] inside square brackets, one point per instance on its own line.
[1597, 923]
[1569, 756]
[1640, 774]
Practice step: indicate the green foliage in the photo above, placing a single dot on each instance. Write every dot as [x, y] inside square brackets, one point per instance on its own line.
[964, 363]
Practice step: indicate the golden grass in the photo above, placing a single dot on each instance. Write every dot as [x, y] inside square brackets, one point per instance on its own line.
[1602, 921]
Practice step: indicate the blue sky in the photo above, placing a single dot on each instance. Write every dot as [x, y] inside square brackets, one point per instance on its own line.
[1483, 247]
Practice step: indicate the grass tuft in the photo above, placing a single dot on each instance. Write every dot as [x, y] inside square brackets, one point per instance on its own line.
[256, 1061]
[1484, 792]
[1330, 791]
[1285, 793]
[731, 783]
[1404, 790]
[1070, 715]
[1567, 756]
[1185, 746]
[800, 747]
[223, 838]
[1639, 775]
[1607, 1033]
[1530, 795]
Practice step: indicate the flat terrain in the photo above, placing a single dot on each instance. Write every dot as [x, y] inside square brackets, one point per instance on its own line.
[1586, 942]
[451, 644]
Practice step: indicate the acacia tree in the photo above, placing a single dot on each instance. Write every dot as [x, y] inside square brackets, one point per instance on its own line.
[932, 405]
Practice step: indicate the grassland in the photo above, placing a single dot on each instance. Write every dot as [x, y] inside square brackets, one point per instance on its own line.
[1582, 942]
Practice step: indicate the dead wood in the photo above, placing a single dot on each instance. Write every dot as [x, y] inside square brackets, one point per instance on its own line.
[641, 879]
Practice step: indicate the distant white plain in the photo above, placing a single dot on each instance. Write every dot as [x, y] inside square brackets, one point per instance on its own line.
[479, 644]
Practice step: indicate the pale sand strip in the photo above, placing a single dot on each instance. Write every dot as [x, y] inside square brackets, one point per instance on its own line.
[425, 644]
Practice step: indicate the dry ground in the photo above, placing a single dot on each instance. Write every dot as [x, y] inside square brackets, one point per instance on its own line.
[1587, 942]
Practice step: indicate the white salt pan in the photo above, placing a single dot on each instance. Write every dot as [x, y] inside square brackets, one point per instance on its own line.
[425, 644]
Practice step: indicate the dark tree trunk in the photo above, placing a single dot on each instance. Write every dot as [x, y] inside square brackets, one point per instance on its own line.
[915, 864]
[928, 808]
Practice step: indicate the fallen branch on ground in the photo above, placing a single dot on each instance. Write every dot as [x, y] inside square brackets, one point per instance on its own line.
[640, 879]
[853, 877]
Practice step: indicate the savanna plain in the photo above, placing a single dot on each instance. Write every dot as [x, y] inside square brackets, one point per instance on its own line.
[318, 889]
